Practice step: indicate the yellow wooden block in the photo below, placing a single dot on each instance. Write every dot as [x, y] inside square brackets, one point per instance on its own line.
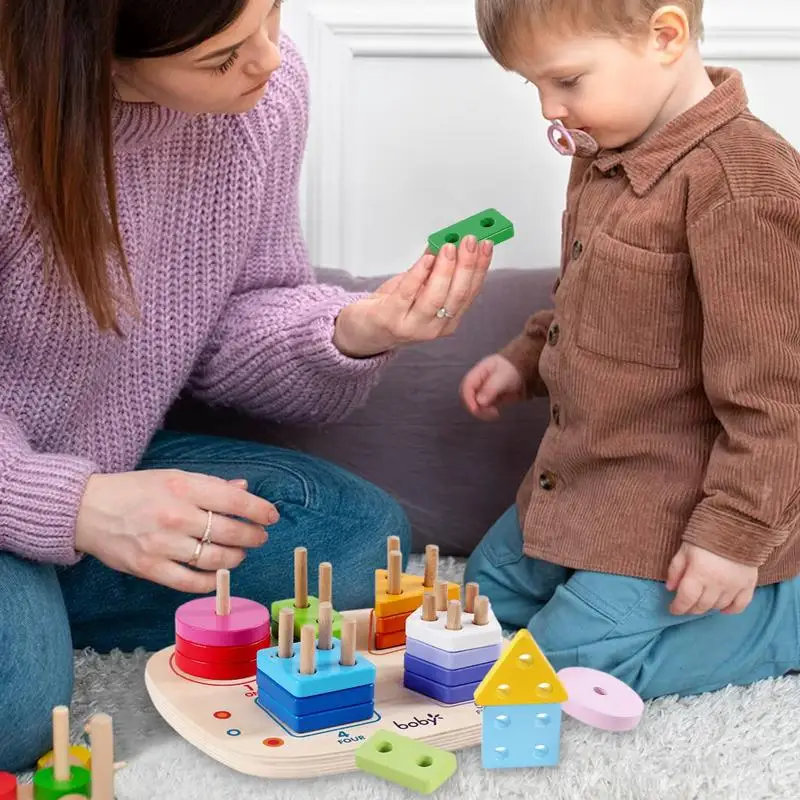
[521, 676]
[79, 756]
[410, 597]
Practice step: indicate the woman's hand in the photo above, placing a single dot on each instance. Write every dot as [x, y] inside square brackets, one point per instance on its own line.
[424, 303]
[149, 523]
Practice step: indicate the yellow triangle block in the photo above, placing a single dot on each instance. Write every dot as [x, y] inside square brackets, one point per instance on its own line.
[522, 676]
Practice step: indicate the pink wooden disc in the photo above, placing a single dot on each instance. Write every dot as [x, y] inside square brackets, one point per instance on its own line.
[600, 700]
[197, 622]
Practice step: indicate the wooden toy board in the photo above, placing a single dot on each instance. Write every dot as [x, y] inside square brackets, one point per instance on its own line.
[223, 720]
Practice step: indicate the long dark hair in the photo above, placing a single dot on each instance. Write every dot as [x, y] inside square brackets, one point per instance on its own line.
[56, 60]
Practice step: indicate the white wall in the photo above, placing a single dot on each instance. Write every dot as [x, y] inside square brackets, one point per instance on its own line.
[414, 127]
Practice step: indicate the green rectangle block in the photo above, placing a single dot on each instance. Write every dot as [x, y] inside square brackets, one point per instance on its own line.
[303, 616]
[405, 761]
[489, 224]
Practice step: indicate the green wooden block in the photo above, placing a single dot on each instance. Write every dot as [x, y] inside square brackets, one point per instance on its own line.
[405, 761]
[46, 787]
[303, 616]
[489, 224]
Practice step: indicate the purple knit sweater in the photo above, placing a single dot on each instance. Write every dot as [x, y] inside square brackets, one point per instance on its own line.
[228, 309]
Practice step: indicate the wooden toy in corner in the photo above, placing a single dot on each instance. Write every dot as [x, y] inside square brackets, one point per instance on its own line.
[63, 779]
[398, 595]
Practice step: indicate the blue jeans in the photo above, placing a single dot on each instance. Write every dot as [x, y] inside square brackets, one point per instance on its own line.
[46, 611]
[623, 625]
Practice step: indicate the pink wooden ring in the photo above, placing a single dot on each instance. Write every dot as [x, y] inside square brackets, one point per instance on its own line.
[600, 700]
[197, 622]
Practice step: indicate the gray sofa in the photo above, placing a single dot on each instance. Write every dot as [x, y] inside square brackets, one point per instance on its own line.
[453, 474]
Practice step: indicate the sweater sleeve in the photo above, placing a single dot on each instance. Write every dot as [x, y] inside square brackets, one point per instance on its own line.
[272, 353]
[40, 494]
[524, 352]
[745, 255]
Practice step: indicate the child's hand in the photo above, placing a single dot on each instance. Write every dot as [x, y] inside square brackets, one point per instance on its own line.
[489, 384]
[703, 581]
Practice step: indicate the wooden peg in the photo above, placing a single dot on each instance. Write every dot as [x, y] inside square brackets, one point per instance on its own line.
[431, 566]
[454, 615]
[471, 592]
[392, 543]
[300, 577]
[325, 582]
[441, 595]
[348, 656]
[102, 741]
[62, 770]
[325, 626]
[286, 633]
[481, 610]
[308, 650]
[395, 572]
[429, 607]
[223, 592]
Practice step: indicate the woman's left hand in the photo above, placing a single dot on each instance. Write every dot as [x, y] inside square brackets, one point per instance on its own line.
[424, 303]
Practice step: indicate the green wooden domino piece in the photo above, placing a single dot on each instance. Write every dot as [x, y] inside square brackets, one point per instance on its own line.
[405, 761]
[303, 616]
[489, 224]
[46, 787]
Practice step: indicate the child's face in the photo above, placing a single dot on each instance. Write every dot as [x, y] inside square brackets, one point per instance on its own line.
[614, 89]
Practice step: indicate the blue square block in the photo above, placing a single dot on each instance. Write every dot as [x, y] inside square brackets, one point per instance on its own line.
[446, 677]
[300, 706]
[521, 736]
[444, 694]
[330, 676]
[334, 718]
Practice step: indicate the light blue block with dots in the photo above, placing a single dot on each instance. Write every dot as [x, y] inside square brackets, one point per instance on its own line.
[330, 675]
[521, 736]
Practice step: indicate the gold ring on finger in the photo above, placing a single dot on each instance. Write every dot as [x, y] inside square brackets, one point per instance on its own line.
[198, 549]
[443, 313]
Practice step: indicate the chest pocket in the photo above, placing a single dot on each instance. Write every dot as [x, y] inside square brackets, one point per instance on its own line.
[634, 303]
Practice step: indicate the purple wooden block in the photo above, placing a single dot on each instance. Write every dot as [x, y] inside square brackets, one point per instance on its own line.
[447, 677]
[444, 694]
[442, 658]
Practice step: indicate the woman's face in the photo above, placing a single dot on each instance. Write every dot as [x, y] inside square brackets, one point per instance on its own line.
[226, 74]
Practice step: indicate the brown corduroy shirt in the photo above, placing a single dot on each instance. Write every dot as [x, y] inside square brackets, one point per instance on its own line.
[672, 355]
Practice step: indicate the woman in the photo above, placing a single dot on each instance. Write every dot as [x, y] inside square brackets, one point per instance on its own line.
[149, 243]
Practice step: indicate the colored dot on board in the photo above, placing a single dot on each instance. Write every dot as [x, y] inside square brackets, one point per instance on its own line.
[273, 742]
[234, 732]
[222, 714]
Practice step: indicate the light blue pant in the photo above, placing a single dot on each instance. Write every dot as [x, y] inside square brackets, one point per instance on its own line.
[45, 611]
[623, 626]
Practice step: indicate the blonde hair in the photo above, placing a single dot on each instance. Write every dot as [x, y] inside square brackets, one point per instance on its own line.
[503, 23]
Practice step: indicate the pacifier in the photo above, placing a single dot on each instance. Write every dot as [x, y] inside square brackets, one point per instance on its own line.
[571, 142]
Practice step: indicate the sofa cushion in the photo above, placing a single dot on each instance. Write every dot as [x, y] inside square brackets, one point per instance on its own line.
[453, 474]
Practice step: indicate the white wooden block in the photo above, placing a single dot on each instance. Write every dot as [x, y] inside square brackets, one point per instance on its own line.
[470, 636]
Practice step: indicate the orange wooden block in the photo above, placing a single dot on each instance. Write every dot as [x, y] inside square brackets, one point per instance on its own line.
[384, 641]
[410, 597]
[393, 624]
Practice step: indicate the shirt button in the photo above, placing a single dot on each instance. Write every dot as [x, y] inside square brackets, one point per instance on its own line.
[547, 481]
[612, 173]
[552, 334]
[577, 249]
[555, 412]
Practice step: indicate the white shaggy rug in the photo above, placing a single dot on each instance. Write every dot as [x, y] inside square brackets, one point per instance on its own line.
[737, 743]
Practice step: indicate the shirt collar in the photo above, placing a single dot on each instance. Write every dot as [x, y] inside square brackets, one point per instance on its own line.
[649, 161]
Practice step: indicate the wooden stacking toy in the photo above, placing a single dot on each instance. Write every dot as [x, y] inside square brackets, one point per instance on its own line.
[305, 606]
[521, 697]
[62, 780]
[449, 651]
[398, 595]
[316, 683]
[217, 638]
